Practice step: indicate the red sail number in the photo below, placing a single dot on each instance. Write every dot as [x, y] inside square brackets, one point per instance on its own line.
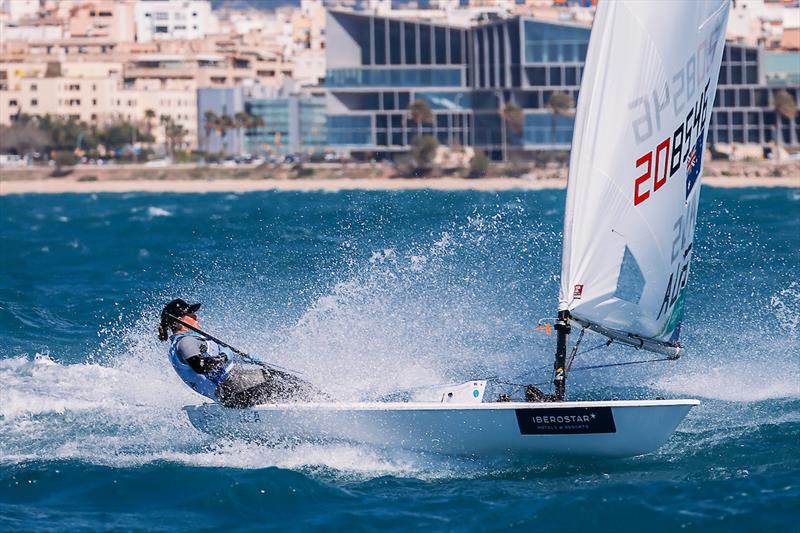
[641, 189]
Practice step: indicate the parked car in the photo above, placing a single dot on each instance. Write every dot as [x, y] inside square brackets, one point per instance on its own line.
[12, 160]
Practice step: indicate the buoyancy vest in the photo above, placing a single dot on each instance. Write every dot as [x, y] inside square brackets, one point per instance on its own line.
[205, 384]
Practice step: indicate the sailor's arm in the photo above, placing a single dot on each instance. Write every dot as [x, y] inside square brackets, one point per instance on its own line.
[194, 352]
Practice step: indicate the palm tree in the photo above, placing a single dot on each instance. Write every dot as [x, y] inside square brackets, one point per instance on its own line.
[224, 124]
[210, 120]
[785, 107]
[258, 121]
[149, 115]
[559, 103]
[420, 112]
[166, 120]
[242, 121]
[247, 121]
[514, 119]
[176, 134]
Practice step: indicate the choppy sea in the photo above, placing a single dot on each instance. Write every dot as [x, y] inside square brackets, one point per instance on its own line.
[366, 293]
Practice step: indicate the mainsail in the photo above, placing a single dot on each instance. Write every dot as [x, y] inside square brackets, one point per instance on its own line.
[637, 155]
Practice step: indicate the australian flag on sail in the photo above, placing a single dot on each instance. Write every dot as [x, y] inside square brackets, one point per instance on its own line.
[693, 164]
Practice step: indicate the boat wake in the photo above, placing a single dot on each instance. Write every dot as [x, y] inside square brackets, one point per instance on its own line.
[741, 366]
[126, 414]
[111, 416]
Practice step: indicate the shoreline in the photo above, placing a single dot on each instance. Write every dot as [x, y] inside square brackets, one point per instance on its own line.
[237, 185]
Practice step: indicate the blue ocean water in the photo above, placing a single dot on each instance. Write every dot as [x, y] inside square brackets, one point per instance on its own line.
[370, 292]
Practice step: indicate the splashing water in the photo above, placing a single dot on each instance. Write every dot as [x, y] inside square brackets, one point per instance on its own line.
[367, 293]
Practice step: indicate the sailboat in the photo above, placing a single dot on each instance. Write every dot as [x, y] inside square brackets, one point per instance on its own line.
[632, 198]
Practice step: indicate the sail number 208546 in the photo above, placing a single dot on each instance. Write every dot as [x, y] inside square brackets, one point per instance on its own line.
[671, 152]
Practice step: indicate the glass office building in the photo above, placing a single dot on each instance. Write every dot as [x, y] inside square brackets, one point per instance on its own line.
[220, 101]
[744, 108]
[293, 124]
[377, 66]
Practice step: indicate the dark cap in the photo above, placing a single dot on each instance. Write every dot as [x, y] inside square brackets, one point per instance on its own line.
[178, 308]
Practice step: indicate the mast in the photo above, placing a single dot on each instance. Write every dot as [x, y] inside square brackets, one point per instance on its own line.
[562, 328]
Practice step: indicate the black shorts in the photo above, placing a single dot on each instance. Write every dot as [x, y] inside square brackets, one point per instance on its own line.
[249, 386]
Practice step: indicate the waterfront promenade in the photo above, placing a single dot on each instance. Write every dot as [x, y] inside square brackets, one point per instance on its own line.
[333, 177]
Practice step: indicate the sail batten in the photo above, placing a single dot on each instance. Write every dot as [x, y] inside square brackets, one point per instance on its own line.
[636, 165]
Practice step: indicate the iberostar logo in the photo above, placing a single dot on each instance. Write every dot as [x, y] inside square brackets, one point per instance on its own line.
[565, 421]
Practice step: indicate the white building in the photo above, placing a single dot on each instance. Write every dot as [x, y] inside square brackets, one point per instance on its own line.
[12, 31]
[19, 9]
[760, 23]
[309, 66]
[244, 22]
[379, 7]
[174, 19]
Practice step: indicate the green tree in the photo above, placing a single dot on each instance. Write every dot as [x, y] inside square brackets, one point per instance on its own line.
[121, 134]
[241, 121]
[419, 160]
[174, 135]
[23, 138]
[514, 120]
[149, 115]
[210, 123]
[165, 121]
[478, 165]
[559, 103]
[224, 125]
[68, 134]
[63, 159]
[244, 120]
[420, 112]
[785, 107]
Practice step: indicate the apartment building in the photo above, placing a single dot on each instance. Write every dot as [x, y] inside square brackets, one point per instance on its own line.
[79, 90]
[103, 19]
[15, 10]
[174, 19]
[177, 102]
[204, 69]
[94, 92]
[25, 31]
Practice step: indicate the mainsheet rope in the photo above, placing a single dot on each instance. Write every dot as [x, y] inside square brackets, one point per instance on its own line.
[573, 356]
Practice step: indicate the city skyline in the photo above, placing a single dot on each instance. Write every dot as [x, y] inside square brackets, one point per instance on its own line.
[101, 62]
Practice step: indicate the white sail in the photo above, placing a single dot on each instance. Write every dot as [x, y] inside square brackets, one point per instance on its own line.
[642, 118]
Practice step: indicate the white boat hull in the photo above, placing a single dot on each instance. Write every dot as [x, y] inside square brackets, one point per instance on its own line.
[596, 429]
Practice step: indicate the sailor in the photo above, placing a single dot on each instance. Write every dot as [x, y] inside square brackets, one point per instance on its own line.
[216, 373]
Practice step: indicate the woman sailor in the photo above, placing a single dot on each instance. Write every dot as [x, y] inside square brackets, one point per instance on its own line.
[209, 370]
